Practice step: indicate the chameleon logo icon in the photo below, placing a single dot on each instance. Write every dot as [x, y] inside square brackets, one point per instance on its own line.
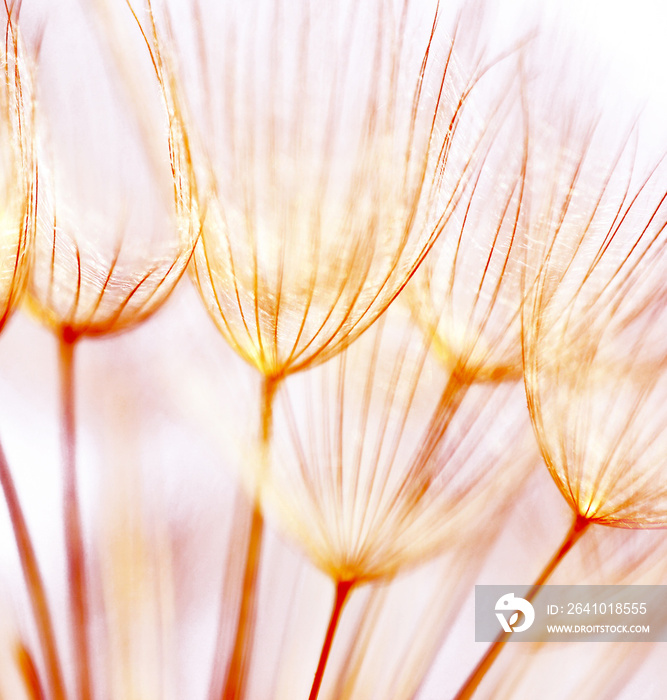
[510, 602]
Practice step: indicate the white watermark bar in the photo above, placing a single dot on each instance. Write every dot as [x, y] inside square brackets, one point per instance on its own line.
[571, 613]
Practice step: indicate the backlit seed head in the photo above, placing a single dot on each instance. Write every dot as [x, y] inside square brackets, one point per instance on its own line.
[594, 349]
[332, 150]
[388, 458]
[107, 248]
[469, 290]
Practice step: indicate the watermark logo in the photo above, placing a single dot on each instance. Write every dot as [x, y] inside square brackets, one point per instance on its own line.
[510, 602]
[571, 613]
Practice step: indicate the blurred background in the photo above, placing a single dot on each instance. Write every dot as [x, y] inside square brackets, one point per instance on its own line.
[167, 414]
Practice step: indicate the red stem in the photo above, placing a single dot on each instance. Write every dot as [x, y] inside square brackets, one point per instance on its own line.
[236, 677]
[78, 589]
[29, 674]
[475, 678]
[34, 582]
[343, 589]
[237, 671]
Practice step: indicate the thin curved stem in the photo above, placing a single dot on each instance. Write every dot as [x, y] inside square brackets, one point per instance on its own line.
[29, 674]
[343, 589]
[578, 528]
[236, 675]
[34, 582]
[76, 570]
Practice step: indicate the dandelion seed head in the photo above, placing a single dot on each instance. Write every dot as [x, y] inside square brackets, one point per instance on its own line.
[107, 251]
[468, 293]
[384, 464]
[322, 168]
